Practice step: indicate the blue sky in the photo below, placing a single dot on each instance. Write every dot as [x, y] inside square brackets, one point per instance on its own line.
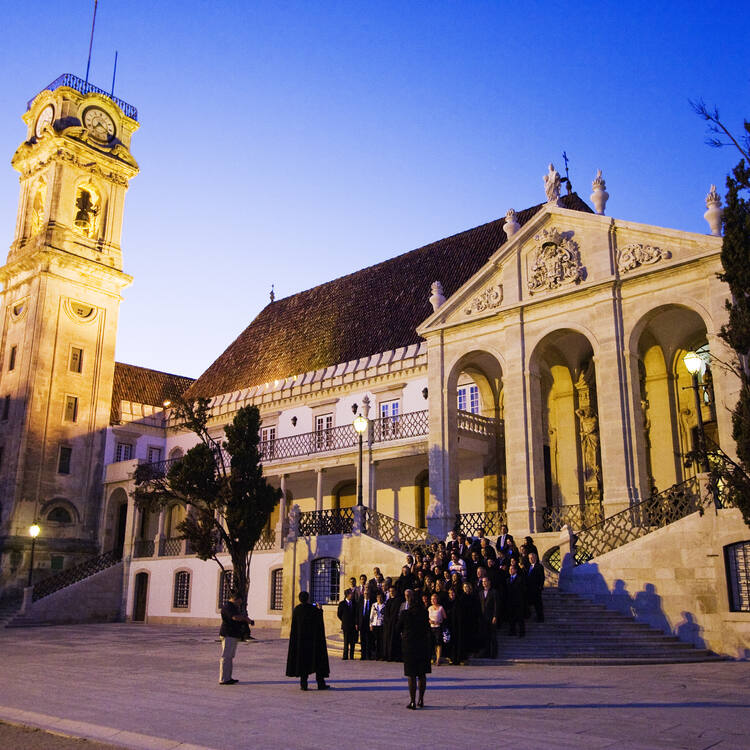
[289, 143]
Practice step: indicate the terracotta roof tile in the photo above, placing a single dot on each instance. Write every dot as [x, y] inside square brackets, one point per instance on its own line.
[143, 386]
[366, 312]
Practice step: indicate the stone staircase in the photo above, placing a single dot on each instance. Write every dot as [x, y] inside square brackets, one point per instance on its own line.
[9, 608]
[577, 631]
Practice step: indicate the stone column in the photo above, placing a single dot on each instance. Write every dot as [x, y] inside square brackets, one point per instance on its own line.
[159, 538]
[372, 483]
[281, 525]
[637, 418]
[319, 489]
[726, 388]
[183, 543]
[131, 529]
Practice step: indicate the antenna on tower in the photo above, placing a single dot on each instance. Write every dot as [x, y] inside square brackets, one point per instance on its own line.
[566, 179]
[91, 41]
[114, 73]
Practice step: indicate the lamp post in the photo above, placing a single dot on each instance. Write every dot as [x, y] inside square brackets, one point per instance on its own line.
[693, 364]
[360, 425]
[34, 530]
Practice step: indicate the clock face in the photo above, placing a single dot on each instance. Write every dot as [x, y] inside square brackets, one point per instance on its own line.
[45, 118]
[99, 123]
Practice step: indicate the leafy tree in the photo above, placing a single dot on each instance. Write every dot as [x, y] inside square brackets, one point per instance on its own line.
[222, 482]
[733, 477]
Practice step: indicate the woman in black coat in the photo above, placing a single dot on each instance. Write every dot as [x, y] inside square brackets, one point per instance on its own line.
[416, 646]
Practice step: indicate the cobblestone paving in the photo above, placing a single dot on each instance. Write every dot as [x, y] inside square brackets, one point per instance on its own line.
[143, 686]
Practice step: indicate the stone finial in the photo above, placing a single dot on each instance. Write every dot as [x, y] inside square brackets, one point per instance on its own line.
[272, 295]
[511, 225]
[714, 211]
[366, 406]
[599, 196]
[552, 184]
[437, 298]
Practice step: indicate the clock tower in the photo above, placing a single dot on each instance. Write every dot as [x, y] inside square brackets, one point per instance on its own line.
[61, 292]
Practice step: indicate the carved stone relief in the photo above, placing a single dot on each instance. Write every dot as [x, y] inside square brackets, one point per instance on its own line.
[636, 254]
[487, 300]
[556, 263]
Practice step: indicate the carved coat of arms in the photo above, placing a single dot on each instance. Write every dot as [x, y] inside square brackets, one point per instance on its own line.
[556, 263]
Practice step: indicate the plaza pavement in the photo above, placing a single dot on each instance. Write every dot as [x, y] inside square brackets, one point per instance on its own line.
[144, 686]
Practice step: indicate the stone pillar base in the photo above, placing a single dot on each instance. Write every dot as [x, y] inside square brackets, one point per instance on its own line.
[28, 594]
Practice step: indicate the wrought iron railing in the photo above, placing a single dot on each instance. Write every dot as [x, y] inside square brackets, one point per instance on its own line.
[396, 533]
[74, 574]
[326, 522]
[155, 469]
[477, 424]
[266, 542]
[490, 521]
[74, 82]
[170, 546]
[554, 517]
[411, 424]
[638, 520]
[143, 548]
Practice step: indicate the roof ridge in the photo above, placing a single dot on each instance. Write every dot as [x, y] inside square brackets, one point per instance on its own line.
[151, 369]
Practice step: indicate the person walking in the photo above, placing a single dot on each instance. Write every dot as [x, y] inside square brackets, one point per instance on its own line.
[308, 651]
[416, 647]
[232, 621]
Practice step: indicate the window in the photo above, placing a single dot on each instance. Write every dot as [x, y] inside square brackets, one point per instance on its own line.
[123, 452]
[389, 418]
[6, 408]
[277, 582]
[226, 579]
[268, 442]
[323, 431]
[76, 359]
[59, 515]
[71, 408]
[12, 358]
[56, 562]
[181, 596]
[468, 398]
[63, 460]
[324, 580]
[154, 454]
[737, 559]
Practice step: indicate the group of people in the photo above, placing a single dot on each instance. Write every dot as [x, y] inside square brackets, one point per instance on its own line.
[449, 600]
[469, 586]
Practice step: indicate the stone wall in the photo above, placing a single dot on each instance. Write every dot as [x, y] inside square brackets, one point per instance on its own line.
[674, 579]
[94, 599]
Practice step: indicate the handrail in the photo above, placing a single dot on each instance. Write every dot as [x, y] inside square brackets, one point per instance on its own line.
[476, 423]
[554, 517]
[326, 522]
[74, 82]
[490, 521]
[396, 533]
[74, 574]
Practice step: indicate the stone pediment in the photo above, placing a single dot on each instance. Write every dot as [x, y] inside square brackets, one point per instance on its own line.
[555, 262]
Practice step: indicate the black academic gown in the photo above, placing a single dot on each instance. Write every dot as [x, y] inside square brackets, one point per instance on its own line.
[391, 637]
[308, 651]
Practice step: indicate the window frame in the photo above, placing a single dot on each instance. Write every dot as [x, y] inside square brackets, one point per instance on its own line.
[6, 408]
[226, 579]
[70, 400]
[187, 595]
[12, 355]
[123, 444]
[738, 590]
[66, 450]
[276, 590]
[333, 574]
[71, 368]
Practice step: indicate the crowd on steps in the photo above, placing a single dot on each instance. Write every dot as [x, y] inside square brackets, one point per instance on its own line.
[470, 587]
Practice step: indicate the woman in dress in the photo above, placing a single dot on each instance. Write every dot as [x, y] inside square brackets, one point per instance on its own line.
[437, 618]
[414, 627]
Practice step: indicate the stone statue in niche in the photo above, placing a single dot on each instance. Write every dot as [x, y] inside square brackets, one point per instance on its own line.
[552, 184]
[556, 263]
[88, 210]
[37, 208]
[589, 433]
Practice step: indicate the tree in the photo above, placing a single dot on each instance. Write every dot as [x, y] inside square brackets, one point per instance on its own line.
[733, 477]
[229, 500]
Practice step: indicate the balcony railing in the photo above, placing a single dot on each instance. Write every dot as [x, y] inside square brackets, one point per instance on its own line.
[266, 542]
[490, 521]
[170, 547]
[74, 82]
[554, 517]
[409, 425]
[143, 548]
[326, 522]
[396, 533]
[477, 424]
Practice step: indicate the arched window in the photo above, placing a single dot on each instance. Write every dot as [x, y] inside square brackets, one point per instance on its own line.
[226, 579]
[86, 211]
[737, 558]
[325, 575]
[277, 582]
[175, 453]
[59, 514]
[181, 594]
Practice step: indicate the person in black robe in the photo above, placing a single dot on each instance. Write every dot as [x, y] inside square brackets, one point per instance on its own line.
[308, 651]
[391, 638]
[416, 646]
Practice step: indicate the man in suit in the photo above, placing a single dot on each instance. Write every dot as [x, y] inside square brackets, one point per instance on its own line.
[488, 606]
[463, 548]
[535, 585]
[502, 539]
[347, 613]
[363, 625]
[516, 600]
[452, 542]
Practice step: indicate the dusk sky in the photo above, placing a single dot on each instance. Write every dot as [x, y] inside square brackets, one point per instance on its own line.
[290, 143]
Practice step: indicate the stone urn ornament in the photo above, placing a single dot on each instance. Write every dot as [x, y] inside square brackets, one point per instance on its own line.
[599, 196]
[714, 211]
[437, 298]
[511, 225]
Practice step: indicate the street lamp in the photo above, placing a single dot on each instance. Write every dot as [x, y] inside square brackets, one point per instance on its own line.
[693, 364]
[34, 530]
[360, 425]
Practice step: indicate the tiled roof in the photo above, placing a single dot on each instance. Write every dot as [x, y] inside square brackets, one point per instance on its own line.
[143, 386]
[373, 310]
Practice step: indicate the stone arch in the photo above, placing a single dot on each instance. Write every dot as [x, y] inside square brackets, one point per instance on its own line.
[567, 471]
[115, 517]
[88, 207]
[176, 453]
[344, 494]
[57, 507]
[173, 515]
[667, 429]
